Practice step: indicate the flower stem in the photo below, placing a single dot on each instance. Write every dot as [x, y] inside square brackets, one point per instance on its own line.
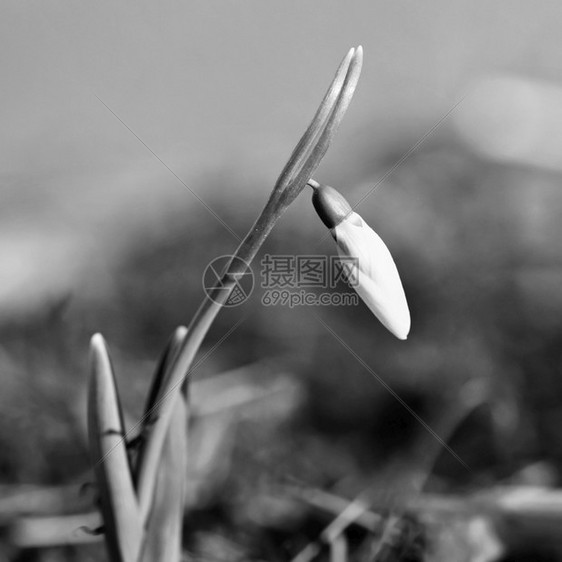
[292, 180]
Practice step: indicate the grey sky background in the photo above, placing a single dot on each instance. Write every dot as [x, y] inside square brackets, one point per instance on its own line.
[213, 85]
[210, 76]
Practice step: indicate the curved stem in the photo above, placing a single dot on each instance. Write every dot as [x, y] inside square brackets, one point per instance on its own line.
[292, 180]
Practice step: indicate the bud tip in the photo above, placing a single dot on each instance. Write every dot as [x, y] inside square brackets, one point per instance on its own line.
[331, 205]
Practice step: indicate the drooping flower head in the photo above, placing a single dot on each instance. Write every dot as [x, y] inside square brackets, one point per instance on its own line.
[374, 277]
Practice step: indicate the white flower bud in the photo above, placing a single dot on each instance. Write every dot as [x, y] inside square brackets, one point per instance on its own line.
[375, 278]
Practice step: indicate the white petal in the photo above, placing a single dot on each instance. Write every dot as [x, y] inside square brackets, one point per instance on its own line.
[376, 280]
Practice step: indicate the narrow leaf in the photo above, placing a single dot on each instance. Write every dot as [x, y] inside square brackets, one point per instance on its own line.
[326, 107]
[119, 506]
[148, 466]
[326, 133]
[163, 366]
[163, 540]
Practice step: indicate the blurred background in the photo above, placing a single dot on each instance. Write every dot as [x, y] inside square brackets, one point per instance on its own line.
[129, 129]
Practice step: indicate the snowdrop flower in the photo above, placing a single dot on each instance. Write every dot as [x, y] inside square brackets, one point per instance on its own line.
[374, 275]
